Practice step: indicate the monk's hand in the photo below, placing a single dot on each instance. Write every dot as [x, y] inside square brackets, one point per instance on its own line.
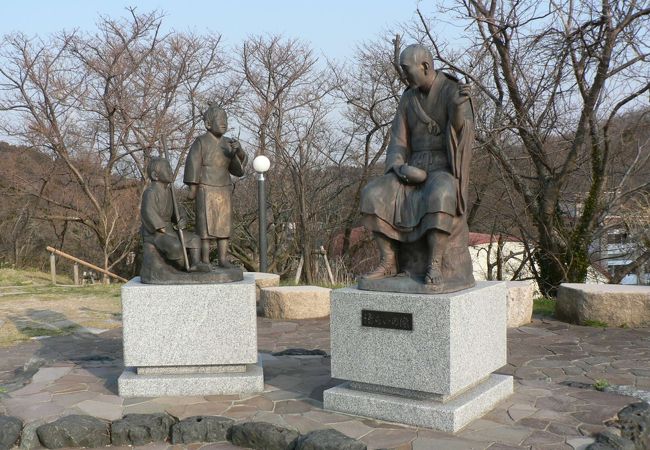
[400, 176]
[182, 223]
[193, 189]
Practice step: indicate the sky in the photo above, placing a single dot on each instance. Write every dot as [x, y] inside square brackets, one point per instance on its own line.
[333, 27]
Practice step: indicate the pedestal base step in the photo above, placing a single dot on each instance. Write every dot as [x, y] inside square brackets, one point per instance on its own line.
[449, 417]
[132, 384]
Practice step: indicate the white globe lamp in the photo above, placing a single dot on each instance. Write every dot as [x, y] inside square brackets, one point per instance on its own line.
[261, 164]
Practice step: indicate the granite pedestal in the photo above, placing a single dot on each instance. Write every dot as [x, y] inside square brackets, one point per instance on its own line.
[424, 360]
[189, 339]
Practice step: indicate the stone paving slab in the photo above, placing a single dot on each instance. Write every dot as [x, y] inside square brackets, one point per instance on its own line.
[552, 408]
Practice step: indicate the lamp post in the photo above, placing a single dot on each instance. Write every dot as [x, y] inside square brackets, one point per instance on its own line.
[261, 164]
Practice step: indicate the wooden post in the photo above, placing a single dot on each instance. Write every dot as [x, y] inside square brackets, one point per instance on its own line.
[327, 264]
[299, 271]
[75, 273]
[53, 267]
[85, 263]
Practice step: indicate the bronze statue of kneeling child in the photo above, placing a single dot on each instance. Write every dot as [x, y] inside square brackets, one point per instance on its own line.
[170, 255]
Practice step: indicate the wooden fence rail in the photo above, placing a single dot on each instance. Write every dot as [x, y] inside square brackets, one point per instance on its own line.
[54, 252]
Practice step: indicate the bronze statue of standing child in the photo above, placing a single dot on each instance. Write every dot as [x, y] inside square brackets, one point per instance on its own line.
[212, 159]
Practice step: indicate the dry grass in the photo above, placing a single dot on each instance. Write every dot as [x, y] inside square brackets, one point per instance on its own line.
[16, 277]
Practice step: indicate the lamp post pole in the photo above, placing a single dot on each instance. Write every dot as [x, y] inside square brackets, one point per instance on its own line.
[261, 164]
[261, 195]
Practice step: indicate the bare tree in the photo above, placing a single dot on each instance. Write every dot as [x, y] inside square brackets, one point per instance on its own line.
[285, 102]
[553, 78]
[623, 244]
[98, 104]
[20, 232]
[371, 89]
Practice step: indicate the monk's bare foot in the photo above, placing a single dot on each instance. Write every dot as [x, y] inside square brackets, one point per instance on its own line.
[433, 275]
[383, 270]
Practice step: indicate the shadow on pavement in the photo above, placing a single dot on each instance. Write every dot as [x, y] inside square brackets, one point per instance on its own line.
[58, 341]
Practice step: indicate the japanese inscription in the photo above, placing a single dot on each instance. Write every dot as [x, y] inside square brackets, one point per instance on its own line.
[387, 319]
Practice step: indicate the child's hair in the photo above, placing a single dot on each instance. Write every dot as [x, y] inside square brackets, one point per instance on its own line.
[156, 164]
[212, 113]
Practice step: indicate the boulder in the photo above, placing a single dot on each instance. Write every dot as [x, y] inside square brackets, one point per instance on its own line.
[612, 304]
[263, 280]
[634, 420]
[610, 440]
[201, 429]
[263, 436]
[75, 431]
[520, 302]
[295, 302]
[29, 438]
[328, 440]
[10, 428]
[140, 429]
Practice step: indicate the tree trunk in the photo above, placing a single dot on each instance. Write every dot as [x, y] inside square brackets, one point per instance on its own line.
[305, 241]
[105, 278]
[500, 258]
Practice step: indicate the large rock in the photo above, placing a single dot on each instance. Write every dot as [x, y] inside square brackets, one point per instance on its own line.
[610, 440]
[635, 424]
[75, 431]
[328, 440]
[520, 302]
[613, 304]
[29, 437]
[201, 429]
[295, 302]
[263, 436]
[140, 429]
[263, 280]
[10, 428]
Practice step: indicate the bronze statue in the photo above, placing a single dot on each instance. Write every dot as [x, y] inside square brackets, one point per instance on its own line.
[416, 210]
[165, 246]
[210, 162]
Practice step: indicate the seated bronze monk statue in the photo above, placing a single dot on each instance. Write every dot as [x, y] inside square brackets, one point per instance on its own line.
[416, 210]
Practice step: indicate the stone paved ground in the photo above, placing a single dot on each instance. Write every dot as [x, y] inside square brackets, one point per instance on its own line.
[552, 407]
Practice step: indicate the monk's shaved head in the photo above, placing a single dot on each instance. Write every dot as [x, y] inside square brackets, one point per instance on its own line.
[416, 62]
[416, 54]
